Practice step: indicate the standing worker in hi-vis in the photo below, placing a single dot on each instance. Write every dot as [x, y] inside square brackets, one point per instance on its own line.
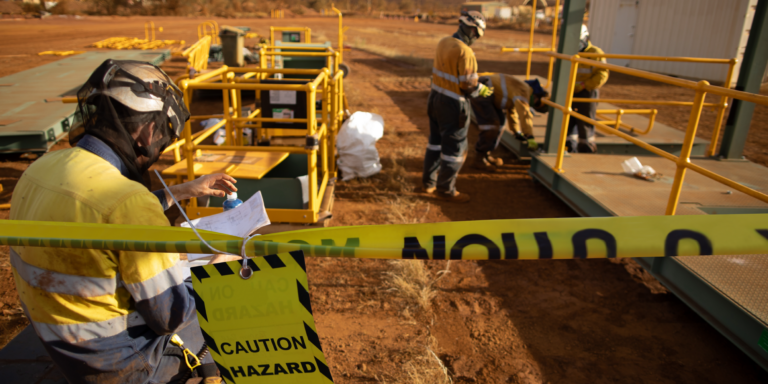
[589, 79]
[512, 98]
[109, 316]
[454, 78]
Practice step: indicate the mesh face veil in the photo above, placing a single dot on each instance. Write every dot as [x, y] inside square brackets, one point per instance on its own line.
[125, 98]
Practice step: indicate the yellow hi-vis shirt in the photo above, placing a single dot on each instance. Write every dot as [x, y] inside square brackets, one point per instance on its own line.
[90, 298]
[511, 95]
[592, 77]
[454, 72]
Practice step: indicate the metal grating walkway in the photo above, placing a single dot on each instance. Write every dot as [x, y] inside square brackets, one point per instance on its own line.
[27, 121]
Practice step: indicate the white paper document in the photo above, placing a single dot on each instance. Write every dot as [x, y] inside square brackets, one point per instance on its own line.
[240, 221]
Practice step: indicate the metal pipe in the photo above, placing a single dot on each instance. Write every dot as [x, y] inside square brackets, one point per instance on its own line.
[566, 115]
[523, 50]
[640, 102]
[341, 35]
[610, 130]
[249, 87]
[252, 149]
[680, 59]
[209, 75]
[530, 40]
[554, 44]
[290, 71]
[721, 111]
[685, 152]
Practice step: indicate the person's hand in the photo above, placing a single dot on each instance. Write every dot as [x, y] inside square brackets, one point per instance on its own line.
[217, 184]
[221, 258]
[580, 86]
[485, 91]
[532, 144]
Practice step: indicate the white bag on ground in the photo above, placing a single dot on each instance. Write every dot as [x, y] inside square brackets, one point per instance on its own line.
[356, 144]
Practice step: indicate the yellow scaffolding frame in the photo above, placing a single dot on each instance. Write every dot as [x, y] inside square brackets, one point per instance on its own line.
[323, 129]
[683, 161]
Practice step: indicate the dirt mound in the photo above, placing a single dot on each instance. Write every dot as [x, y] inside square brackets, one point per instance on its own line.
[8, 7]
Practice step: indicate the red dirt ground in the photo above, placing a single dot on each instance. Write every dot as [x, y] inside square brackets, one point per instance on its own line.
[581, 321]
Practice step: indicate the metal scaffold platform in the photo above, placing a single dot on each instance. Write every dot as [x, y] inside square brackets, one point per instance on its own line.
[32, 117]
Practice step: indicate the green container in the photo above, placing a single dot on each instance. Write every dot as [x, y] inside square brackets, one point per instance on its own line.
[232, 44]
[279, 188]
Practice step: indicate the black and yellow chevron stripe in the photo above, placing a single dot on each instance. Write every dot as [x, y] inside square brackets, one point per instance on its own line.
[246, 322]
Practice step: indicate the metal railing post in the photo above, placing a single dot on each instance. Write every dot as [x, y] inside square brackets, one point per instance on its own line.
[554, 44]
[685, 153]
[566, 115]
[711, 151]
[530, 40]
[227, 113]
[189, 146]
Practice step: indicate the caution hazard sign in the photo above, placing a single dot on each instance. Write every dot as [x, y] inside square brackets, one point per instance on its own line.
[260, 329]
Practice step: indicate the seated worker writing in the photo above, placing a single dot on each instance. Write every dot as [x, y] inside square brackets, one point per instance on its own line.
[512, 98]
[104, 316]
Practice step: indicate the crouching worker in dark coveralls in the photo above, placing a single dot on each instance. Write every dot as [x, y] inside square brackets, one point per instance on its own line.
[513, 99]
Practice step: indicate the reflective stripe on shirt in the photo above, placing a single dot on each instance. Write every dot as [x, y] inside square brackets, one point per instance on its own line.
[54, 282]
[445, 76]
[446, 92]
[158, 284]
[79, 332]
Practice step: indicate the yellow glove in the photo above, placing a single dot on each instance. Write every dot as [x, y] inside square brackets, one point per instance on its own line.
[532, 144]
[485, 91]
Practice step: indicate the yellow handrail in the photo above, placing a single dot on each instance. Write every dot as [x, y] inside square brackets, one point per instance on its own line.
[683, 162]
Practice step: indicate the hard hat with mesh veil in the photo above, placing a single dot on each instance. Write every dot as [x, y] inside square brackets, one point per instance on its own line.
[122, 97]
[473, 19]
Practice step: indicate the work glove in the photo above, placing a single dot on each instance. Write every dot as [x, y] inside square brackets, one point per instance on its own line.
[532, 144]
[484, 91]
[580, 86]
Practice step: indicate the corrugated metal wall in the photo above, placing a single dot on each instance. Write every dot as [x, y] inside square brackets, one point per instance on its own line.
[694, 28]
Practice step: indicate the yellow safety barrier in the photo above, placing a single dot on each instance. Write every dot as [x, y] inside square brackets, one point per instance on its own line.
[209, 28]
[561, 238]
[322, 129]
[278, 14]
[197, 55]
[683, 161]
[60, 53]
[621, 112]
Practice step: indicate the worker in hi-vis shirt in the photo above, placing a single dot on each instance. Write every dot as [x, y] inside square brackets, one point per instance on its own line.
[454, 78]
[111, 316]
[589, 79]
[512, 98]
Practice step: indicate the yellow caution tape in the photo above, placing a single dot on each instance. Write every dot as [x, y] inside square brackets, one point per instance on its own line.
[260, 329]
[643, 236]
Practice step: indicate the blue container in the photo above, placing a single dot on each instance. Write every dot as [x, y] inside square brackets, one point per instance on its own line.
[232, 202]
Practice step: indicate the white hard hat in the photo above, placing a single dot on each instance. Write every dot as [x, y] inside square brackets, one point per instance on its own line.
[584, 33]
[474, 19]
[132, 94]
